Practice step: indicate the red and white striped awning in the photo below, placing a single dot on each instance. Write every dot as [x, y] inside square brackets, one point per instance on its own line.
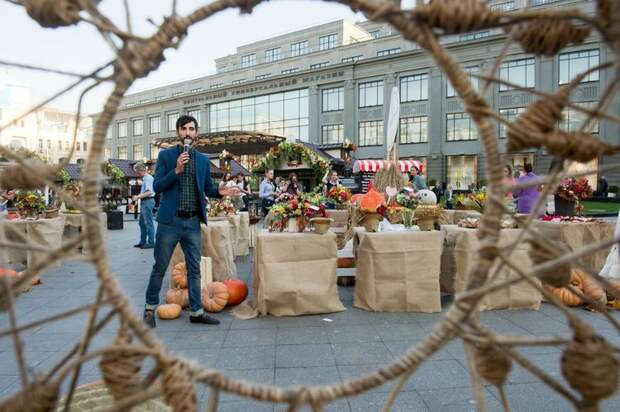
[374, 165]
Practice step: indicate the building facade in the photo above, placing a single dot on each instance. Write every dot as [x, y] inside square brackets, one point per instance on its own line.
[47, 131]
[333, 82]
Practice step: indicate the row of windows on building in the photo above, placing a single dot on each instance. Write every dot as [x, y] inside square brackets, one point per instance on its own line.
[43, 145]
[326, 42]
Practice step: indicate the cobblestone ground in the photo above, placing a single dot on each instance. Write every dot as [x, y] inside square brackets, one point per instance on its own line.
[306, 350]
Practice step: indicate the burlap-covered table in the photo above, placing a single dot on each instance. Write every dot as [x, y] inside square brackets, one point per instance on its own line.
[46, 233]
[452, 216]
[397, 271]
[243, 238]
[293, 274]
[576, 235]
[74, 222]
[216, 244]
[460, 254]
[340, 217]
[253, 232]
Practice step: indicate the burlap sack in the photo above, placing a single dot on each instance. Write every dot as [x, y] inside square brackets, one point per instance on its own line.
[295, 274]
[452, 216]
[46, 233]
[340, 217]
[577, 235]
[216, 244]
[462, 245]
[243, 237]
[398, 271]
[75, 223]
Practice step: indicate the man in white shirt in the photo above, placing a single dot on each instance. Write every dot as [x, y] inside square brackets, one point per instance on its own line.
[147, 195]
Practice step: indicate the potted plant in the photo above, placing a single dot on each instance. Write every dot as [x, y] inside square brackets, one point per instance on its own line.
[569, 195]
[29, 203]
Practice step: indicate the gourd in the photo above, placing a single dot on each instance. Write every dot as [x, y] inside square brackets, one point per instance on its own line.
[214, 296]
[169, 311]
[179, 275]
[178, 296]
[237, 291]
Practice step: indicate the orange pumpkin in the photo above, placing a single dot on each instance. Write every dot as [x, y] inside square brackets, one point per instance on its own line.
[179, 275]
[214, 296]
[237, 291]
[371, 201]
[169, 311]
[566, 296]
[178, 296]
[8, 272]
[590, 287]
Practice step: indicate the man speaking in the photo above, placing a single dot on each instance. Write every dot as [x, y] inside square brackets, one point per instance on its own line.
[183, 177]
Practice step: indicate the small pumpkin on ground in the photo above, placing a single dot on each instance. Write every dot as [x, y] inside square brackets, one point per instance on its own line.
[590, 287]
[237, 291]
[214, 296]
[169, 311]
[179, 275]
[178, 296]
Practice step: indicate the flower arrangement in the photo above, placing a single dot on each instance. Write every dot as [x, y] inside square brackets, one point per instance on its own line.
[405, 200]
[471, 201]
[299, 209]
[349, 145]
[373, 202]
[64, 177]
[225, 206]
[574, 190]
[278, 217]
[115, 174]
[226, 155]
[30, 204]
[339, 196]
[292, 153]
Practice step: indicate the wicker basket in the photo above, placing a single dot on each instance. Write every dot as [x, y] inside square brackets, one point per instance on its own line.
[94, 396]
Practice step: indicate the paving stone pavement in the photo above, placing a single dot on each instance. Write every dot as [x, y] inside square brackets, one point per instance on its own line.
[306, 350]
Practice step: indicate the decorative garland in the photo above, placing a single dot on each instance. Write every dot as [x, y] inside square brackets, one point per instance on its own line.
[115, 174]
[293, 154]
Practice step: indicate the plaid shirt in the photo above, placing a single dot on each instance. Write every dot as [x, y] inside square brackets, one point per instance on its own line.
[188, 199]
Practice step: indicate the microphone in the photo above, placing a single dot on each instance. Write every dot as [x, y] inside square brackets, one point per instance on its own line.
[186, 143]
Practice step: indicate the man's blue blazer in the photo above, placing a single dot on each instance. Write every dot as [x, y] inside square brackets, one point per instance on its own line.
[167, 183]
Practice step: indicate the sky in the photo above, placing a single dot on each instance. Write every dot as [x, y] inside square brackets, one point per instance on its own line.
[81, 49]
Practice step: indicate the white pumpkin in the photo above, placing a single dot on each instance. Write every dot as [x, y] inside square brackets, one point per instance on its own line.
[426, 197]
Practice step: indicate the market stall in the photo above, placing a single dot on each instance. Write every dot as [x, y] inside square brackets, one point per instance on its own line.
[367, 168]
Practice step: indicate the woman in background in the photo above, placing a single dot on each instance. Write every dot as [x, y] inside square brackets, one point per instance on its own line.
[527, 197]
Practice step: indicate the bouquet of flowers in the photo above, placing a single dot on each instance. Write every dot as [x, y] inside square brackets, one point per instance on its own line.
[278, 217]
[285, 197]
[404, 200]
[574, 190]
[339, 196]
[225, 206]
[30, 204]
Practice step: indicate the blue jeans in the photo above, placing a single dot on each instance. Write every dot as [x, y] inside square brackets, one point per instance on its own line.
[147, 228]
[187, 233]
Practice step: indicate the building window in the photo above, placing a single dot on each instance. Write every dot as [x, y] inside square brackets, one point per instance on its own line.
[137, 127]
[414, 129]
[573, 119]
[121, 129]
[519, 72]
[122, 152]
[505, 6]
[332, 99]
[154, 151]
[77, 146]
[138, 152]
[263, 76]
[248, 61]
[84, 146]
[352, 59]
[154, 124]
[60, 145]
[319, 65]
[375, 34]
[283, 114]
[510, 115]
[388, 52]
[289, 71]
[328, 42]
[474, 35]
[172, 121]
[371, 133]
[572, 64]
[196, 90]
[300, 48]
[450, 92]
[459, 126]
[371, 94]
[107, 153]
[216, 85]
[238, 81]
[413, 88]
[462, 172]
[273, 55]
[332, 133]
[40, 145]
[541, 2]
[195, 113]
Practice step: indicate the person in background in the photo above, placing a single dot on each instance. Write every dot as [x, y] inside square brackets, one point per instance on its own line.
[330, 180]
[147, 196]
[267, 191]
[527, 197]
[7, 197]
[603, 186]
[417, 179]
[508, 181]
[244, 189]
[294, 187]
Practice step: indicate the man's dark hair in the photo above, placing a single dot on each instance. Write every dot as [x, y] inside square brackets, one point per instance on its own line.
[527, 167]
[185, 119]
